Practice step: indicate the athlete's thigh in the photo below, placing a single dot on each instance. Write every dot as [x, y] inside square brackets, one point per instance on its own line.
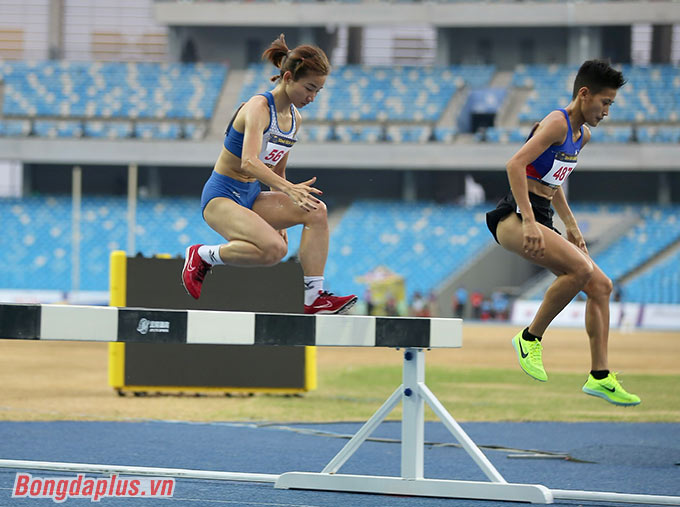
[560, 256]
[235, 222]
[278, 210]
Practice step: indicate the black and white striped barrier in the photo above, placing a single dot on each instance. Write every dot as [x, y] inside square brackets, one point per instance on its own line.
[111, 324]
[414, 335]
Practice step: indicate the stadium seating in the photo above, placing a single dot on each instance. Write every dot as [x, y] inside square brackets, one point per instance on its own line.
[15, 128]
[652, 93]
[81, 93]
[358, 104]
[417, 241]
[503, 135]
[41, 257]
[370, 94]
[108, 129]
[445, 134]
[408, 237]
[659, 284]
[658, 228]
[358, 133]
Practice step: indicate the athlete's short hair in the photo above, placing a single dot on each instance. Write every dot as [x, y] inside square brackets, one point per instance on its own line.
[597, 75]
[300, 61]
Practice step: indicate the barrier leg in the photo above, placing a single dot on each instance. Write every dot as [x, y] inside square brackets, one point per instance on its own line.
[413, 394]
[363, 433]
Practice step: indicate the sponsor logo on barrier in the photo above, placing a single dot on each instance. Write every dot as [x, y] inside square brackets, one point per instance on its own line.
[59, 489]
[153, 326]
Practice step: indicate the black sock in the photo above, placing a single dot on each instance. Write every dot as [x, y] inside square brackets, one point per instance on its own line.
[599, 374]
[526, 335]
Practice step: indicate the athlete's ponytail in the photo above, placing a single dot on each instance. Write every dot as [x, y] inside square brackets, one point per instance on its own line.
[300, 61]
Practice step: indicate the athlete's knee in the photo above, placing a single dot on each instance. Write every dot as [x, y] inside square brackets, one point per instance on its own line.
[273, 251]
[318, 215]
[599, 286]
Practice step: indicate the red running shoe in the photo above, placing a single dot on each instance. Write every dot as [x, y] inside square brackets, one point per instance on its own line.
[194, 271]
[326, 302]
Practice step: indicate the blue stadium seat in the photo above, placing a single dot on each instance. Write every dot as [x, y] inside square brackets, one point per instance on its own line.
[15, 128]
[652, 93]
[53, 128]
[658, 228]
[408, 134]
[158, 130]
[612, 134]
[414, 240]
[108, 129]
[41, 228]
[315, 133]
[445, 134]
[658, 284]
[111, 90]
[503, 135]
[366, 93]
[358, 133]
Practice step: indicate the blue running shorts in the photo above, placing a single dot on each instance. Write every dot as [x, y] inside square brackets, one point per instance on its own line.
[219, 185]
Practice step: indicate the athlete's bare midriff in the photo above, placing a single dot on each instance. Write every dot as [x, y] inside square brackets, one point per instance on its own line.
[540, 189]
[229, 164]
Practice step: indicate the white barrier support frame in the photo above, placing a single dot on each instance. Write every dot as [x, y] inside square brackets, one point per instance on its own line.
[414, 393]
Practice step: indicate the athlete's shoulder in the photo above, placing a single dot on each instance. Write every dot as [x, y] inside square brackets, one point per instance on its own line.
[256, 107]
[556, 118]
[553, 127]
[258, 101]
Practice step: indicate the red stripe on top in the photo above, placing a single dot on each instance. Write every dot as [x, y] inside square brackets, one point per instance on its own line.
[531, 171]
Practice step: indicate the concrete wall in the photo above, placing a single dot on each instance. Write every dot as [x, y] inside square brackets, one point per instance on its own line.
[470, 14]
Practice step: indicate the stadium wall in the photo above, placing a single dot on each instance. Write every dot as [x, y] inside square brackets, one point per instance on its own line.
[432, 156]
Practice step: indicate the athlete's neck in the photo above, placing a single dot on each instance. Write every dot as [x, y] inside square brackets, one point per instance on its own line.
[281, 100]
[575, 117]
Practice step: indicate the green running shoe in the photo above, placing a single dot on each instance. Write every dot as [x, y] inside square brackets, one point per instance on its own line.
[529, 356]
[611, 390]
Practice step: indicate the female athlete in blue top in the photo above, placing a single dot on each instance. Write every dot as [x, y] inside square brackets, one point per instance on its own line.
[522, 223]
[256, 147]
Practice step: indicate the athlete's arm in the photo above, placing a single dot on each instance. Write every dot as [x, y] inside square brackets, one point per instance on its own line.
[574, 234]
[256, 119]
[562, 208]
[280, 168]
[552, 130]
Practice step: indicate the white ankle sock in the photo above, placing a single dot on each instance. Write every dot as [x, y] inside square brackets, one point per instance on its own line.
[210, 254]
[313, 284]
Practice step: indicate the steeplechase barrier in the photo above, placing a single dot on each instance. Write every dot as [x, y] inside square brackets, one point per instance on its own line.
[413, 335]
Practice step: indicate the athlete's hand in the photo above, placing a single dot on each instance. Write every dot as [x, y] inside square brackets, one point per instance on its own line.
[574, 236]
[284, 234]
[534, 243]
[302, 194]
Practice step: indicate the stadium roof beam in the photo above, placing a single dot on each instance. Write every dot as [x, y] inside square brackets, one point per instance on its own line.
[458, 14]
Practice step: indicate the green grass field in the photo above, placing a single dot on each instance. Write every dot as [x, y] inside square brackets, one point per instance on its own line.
[354, 393]
[480, 382]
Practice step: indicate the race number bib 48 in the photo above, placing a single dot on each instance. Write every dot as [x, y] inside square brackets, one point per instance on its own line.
[560, 170]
